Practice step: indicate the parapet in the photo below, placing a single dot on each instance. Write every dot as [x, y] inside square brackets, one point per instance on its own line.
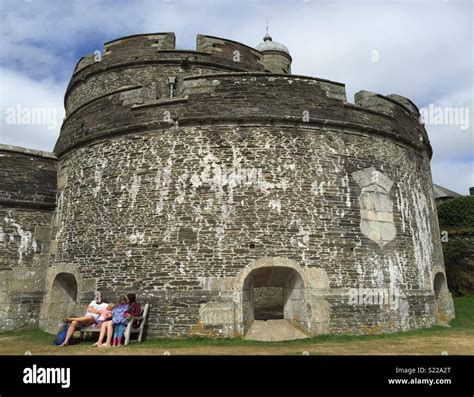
[27, 178]
[385, 104]
[238, 52]
[150, 59]
[131, 47]
[142, 76]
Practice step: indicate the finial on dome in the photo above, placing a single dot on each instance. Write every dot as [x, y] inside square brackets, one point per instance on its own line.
[267, 36]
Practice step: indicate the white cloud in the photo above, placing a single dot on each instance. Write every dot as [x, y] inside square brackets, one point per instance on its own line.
[21, 92]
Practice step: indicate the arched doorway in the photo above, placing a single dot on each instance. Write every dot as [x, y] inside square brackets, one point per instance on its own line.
[439, 283]
[273, 293]
[61, 299]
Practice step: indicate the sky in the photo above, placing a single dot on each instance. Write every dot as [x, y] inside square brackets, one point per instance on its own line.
[420, 49]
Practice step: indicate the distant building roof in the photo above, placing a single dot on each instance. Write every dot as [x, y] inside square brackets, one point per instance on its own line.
[442, 192]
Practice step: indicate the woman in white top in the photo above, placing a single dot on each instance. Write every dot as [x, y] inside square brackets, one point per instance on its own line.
[93, 312]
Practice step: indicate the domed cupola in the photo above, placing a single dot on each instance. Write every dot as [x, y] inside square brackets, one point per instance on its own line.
[276, 57]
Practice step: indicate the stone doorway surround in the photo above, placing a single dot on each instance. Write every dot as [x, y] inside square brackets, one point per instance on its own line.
[66, 291]
[230, 313]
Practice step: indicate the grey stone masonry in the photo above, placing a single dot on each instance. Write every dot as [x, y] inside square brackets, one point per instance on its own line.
[221, 194]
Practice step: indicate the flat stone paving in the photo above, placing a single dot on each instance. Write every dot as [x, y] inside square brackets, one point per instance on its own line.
[273, 331]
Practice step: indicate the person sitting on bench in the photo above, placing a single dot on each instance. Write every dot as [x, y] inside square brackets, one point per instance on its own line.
[94, 311]
[107, 328]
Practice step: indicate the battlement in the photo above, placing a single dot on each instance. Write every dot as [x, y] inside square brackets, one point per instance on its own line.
[220, 80]
[385, 104]
[151, 59]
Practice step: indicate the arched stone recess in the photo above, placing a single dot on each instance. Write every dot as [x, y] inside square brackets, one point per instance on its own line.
[444, 306]
[65, 290]
[301, 298]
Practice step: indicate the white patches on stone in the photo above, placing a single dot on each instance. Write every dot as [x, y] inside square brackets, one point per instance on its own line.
[301, 240]
[275, 205]
[220, 234]
[128, 253]
[345, 184]
[371, 262]
[317, 189]
[137, 238]
[99, 170]
[26, 239]
[330, 149]
[377, 277]
[195, 181]
[134, 188]
[396, 270]
[221, 178]
[2, 235]
[421, 237]
[402, 206]
[181, 185]
[163, 180]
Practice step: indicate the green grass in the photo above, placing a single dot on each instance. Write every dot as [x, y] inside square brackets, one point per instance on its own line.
[464, 321]
[464, 307]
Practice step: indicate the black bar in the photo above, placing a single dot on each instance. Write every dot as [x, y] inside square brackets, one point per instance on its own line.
[244, 374]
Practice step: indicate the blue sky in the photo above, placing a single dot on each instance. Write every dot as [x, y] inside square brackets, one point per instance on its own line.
[424, 50]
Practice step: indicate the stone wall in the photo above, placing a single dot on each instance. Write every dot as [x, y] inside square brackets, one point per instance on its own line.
[27, 200]
[172, 212]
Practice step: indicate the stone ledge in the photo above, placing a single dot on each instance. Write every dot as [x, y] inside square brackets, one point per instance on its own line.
[257, 121]
[27, 205]
[161, 102]
[262, 74]
[26, 151]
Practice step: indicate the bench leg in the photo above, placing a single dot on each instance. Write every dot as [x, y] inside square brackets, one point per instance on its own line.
[140, 335]
[127, 335]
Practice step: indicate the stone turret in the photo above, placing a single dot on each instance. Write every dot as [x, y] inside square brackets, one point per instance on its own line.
[276, 57]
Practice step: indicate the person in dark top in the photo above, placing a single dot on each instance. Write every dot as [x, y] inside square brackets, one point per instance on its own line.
[107, 328]
[134, 309]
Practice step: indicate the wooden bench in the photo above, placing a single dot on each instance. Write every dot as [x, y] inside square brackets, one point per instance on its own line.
[129, 330]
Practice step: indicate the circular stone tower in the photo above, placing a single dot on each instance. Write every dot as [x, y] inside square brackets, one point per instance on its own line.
[224, 195]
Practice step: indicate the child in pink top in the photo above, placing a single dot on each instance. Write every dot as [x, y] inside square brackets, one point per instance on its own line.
[105, 314]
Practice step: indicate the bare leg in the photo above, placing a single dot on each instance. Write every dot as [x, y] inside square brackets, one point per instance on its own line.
[70, 332]
[110, 331]
[72, 328]
[103, 330]
[82, 319]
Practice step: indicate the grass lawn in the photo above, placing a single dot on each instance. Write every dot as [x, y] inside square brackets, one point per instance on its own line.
[457, 339]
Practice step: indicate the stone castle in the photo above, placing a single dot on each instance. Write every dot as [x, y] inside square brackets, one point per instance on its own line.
[223, 190]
